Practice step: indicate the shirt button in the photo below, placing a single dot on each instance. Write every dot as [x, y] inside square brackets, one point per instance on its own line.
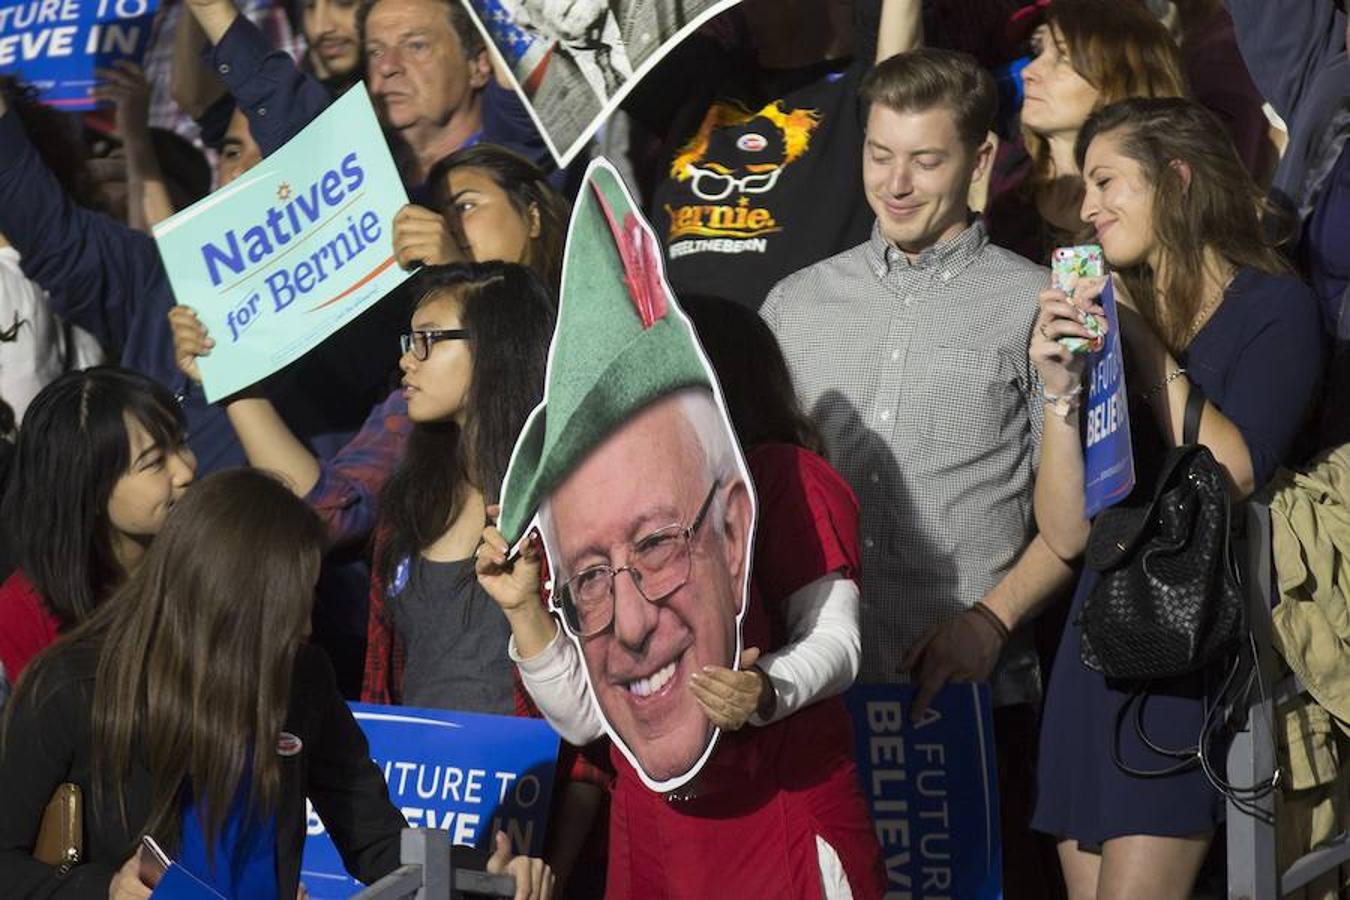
[885, 415]
[224, 68]
[895, 354]
[874, 478]
[262, 111]
[867, 542]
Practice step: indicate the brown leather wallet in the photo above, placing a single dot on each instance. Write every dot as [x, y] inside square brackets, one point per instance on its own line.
[60, 840]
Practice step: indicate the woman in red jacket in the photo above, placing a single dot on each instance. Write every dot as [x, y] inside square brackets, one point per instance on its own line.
[100, 460]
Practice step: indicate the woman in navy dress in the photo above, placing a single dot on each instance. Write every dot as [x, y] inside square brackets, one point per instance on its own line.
[1203, 302]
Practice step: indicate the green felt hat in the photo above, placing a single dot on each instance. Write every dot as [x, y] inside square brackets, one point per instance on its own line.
[620, 343]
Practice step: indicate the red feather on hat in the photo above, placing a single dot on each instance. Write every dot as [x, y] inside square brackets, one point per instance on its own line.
[641, 263]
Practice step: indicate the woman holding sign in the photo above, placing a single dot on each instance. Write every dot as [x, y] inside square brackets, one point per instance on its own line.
[1210, 306]
[192, 710]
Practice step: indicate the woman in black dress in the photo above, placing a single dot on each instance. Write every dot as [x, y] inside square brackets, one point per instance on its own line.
[1203, 300]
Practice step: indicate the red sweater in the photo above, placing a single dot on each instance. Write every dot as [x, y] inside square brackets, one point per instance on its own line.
[26, 625]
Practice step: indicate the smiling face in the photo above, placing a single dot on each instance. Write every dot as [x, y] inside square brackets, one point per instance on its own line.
[330, 31]
[1057, 100]
[493, 226]
[416, 66]
[649, 474]
[1118, 202]
[566, 20]
[143, 496]
[437, 388]
[917, 173]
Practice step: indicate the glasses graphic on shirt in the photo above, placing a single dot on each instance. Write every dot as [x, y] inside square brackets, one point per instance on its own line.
[419, 341]
[710, 185]
[660, 566]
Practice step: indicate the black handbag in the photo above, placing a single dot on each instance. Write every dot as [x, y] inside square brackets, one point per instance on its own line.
[1168, 601]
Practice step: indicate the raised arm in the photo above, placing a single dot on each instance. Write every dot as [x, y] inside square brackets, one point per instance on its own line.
[278, 99]
[901, 27]
[1285, 43]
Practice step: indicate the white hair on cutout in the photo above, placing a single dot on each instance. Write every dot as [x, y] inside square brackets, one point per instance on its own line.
[712, 433]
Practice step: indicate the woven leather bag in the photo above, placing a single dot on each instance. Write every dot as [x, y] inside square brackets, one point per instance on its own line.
[1167, 602]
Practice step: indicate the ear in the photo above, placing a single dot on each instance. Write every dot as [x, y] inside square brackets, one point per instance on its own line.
[536, 224]
[1183, 170]
[984, 158]
[480, 70]
[736, 516]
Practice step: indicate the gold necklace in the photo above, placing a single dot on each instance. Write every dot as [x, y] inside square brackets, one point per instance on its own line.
[1203, 315]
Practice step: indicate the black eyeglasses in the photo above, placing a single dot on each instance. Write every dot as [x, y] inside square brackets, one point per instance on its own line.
[419, 341]
[660, 566]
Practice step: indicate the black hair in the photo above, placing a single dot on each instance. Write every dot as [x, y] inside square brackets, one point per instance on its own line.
[73, 447]
[754, 376]
[509, 315]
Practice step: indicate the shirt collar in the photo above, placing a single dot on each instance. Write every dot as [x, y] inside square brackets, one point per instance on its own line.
[946, 259]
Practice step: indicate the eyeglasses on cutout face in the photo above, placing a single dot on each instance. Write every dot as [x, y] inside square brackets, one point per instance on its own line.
[419, 341]
[660, 566]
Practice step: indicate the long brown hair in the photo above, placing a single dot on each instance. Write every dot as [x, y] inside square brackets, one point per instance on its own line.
[1218, 208]
[1119, 49]
[195, 652]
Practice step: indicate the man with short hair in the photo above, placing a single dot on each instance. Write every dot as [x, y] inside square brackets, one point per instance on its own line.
[910, 352]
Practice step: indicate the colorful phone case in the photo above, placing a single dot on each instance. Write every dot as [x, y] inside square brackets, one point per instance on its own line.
[1067, 266]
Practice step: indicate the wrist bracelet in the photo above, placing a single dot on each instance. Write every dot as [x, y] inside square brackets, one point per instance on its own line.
[1148, 395]
[992, 618]
[1062, 404]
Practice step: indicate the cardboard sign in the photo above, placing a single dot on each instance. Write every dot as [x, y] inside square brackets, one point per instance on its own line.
[55, 45]
[631, 471]
[467, 773]
[1108, 459]
[932, 789]
[294, 249]
[573, 61]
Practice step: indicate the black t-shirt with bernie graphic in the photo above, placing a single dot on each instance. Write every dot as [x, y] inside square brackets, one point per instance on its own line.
[761, 175]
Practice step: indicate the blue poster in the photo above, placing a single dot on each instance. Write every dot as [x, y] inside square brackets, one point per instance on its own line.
[932, 789]
[1108, 461]
[292, 250]
[469, 774]
[55, 45]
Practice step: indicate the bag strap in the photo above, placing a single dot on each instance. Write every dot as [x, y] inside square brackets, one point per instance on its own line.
[1195, 408]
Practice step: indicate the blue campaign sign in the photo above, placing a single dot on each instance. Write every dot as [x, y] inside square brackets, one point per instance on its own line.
[55, 45]
[1108, 459]
[932, 789]
[467, 773]
[293, 249]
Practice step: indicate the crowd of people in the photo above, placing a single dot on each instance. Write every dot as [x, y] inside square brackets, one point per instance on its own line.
[856, 202]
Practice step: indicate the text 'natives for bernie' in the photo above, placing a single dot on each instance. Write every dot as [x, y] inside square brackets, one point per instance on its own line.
[293, 249]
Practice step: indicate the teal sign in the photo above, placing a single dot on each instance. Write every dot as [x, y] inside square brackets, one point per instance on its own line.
[292, 250]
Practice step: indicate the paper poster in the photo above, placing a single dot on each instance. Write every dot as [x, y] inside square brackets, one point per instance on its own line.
[467, 773]
[55, 45]
[932, 789]
[292, 250]
[573, 61]
[631, 471]
[1108, 460]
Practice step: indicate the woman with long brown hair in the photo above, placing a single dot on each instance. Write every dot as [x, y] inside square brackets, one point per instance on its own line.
[1204, 304]
[191, 709]
[1086, 54]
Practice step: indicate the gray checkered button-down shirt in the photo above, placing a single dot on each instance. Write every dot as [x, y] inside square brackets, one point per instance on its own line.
[918, 376]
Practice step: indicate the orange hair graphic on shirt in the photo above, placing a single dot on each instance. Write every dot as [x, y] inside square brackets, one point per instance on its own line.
[796, 126]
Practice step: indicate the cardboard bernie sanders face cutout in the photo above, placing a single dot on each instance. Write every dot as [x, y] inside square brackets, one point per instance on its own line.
[632, 473]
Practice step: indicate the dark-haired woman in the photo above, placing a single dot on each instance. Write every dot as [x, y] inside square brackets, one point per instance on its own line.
[1204, 304]
[777, 810]
[100, 460]
[211, 753]
[505, 210]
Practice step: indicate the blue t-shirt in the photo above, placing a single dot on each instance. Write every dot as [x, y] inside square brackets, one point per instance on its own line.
[245, 865]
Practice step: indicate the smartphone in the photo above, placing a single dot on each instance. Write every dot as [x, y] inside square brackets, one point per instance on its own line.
[154, 862]
[1067, 266]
